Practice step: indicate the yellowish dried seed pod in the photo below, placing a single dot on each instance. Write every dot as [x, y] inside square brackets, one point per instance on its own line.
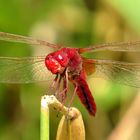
[71, 128]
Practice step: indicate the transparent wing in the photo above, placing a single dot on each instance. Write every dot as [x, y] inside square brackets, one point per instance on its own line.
[122, 46]
[24, 39]
[23, 70]
[120, 72]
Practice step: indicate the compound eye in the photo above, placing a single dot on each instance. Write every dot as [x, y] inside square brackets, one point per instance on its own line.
[63, 60]
[53, 66]
[60, 57]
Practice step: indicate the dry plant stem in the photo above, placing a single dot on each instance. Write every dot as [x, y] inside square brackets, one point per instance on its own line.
[51, 101]
[129, 123]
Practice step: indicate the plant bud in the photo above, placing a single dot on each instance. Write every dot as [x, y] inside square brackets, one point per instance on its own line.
[71, 128]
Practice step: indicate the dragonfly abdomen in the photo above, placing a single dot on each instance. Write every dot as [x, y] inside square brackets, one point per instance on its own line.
[85, 94]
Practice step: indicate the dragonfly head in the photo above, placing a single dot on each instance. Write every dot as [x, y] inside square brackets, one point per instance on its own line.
[56, 62]
[53, 65]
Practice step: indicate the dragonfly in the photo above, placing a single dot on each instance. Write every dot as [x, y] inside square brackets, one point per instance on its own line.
[68, 64]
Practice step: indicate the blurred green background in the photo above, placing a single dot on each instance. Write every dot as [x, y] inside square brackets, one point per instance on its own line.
[73, 23]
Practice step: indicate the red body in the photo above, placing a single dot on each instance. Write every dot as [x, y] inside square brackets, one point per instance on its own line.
[69, 60]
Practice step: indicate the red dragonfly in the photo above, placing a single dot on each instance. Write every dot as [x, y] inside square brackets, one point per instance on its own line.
[68, 65]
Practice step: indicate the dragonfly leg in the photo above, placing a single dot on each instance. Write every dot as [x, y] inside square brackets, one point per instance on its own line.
[54, 85]
[58, 87]
[72, 98]
[65, 86]
[63, 93]
[54, 81]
